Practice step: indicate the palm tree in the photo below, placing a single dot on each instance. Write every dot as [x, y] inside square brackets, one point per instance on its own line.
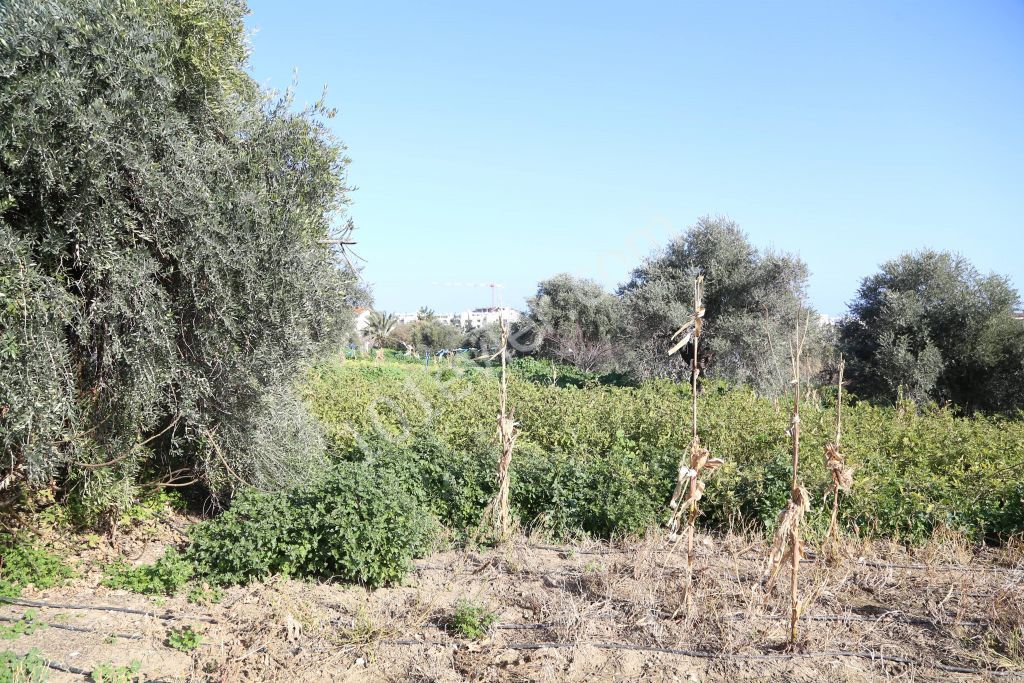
[426, 314]
[379, 327]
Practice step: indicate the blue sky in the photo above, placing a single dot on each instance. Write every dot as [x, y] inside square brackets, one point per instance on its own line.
[509, 142]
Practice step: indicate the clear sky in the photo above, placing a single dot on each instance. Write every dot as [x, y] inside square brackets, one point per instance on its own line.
[507, 142]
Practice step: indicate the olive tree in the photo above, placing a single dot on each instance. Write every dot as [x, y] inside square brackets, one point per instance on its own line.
[931, 326]
[577, 320]
[752, 300]
[167, 251]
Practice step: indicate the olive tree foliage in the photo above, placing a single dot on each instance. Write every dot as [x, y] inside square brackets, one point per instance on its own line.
[931, 326]
[752, 298]
[163, 258]
[434, 335]
[484, 340]
[577, 320]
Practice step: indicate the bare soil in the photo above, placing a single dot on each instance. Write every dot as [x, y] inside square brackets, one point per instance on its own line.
[593, 612]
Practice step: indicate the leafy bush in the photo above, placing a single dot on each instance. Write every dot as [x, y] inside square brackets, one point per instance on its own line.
[28, 668]
[602, 459]
[23, 564]
[166, 576]
[358, 523]
[471, 619]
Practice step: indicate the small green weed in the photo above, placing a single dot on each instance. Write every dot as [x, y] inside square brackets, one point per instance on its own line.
[22, 564]
[166, 576]
[184, 639]
[151, 508]
[109, 673]
[27, 668]
[202, 594]
[472, 620]
[25, 626]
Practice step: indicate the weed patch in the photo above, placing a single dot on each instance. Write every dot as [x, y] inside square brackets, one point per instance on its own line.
[166, 576]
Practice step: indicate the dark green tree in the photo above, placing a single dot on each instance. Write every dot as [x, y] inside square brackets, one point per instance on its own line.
[485, 340]
[930, 325]
[165, 250]
[752, 299]
[434, 335]
[577, 320]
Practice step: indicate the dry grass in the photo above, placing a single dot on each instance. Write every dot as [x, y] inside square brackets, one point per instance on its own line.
[608, 611]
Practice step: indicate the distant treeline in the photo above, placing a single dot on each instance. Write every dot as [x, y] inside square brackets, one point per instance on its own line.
[927, 327]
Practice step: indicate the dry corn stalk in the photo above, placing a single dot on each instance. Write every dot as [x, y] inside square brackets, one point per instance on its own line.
[835, 461]
[689, 486]
[787, 544]
[497, 514]
[788, 522]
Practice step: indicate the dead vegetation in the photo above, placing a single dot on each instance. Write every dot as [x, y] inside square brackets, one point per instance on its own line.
[604, 611]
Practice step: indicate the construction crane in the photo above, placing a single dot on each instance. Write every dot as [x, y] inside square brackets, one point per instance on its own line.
[494, 286]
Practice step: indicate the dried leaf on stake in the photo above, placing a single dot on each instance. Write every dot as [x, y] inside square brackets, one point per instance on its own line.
[842, 476]
[689, 487]
[790, 518]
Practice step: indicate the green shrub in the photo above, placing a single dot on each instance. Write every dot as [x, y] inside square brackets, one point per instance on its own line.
[166, 576]
[471, 619]
[357, 523]
[22, 564]
[28, 668]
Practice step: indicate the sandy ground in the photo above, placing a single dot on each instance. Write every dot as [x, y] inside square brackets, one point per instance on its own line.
[592, 612]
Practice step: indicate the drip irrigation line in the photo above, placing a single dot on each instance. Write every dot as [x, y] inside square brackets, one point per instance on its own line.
[78, 629]
[66, 668]
[104, 608]
[704, 654]
[70, 669]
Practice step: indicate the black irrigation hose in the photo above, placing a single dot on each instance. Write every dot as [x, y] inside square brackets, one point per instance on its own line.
[104, 608]
[79, 629]
[66, 668]
[69, 669]
[703, 654]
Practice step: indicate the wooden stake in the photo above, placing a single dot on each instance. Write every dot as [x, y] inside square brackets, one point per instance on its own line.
[833, 522]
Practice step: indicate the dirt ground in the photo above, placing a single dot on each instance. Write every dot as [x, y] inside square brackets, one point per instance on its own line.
[591, 612]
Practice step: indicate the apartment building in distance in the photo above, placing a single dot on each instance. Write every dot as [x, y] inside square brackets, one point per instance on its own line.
[470, 319]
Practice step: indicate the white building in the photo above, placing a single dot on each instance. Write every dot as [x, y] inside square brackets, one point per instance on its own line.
[362, 318]
[470, 320]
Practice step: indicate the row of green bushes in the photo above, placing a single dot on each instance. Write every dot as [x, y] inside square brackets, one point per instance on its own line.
[414, 450]
[601, 459]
